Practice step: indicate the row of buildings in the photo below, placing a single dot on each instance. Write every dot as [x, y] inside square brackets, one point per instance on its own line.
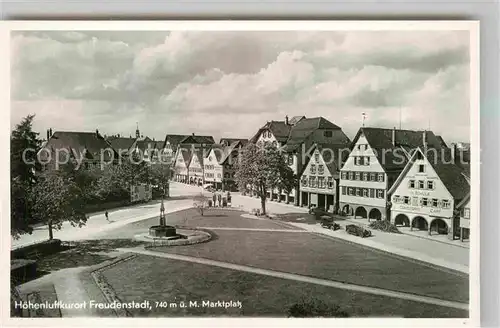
[411, 178]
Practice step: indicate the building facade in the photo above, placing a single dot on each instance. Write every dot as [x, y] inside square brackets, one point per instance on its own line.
[195, 168]
[376, 160]
[465, 218]
[182, 159]
[427, 193]
[319, 181]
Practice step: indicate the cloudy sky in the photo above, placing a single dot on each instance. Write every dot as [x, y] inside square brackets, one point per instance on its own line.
[230, 83]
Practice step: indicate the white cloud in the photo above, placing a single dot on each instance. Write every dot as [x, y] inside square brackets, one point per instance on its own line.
[232, 82]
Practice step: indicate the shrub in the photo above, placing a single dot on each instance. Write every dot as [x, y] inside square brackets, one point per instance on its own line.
[315, 308]
[385, 226]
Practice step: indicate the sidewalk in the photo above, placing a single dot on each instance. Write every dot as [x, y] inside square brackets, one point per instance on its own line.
[416, 233]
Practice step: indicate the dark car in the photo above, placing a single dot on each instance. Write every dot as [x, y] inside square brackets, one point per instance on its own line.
[328, 223]
[355, 230]
[318, 212]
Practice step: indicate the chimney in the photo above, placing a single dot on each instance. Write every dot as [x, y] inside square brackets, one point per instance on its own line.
[48, 134]
[193, 134]
[394, 136]
[286, 119]
[97, 132]
[118, 135]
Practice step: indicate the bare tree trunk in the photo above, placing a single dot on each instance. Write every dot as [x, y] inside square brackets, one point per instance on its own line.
[51, 233]
[263, 199]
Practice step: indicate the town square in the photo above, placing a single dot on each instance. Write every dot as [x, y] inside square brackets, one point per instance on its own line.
[168, 174]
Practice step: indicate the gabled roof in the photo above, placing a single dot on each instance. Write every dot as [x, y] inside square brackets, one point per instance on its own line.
[295, 119]
[441, 140]
[231, 140]
[194, 139]
[230, 150]
[89, 143]
[390, 155]
[328, 150]
[279, 129]
[218, 152]
[304, 134]
[174, 139]
[450, 174]
[121, 143]
[186, 155]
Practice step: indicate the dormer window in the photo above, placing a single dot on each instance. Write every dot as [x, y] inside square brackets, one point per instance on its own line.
[328, 134]
[421, 168]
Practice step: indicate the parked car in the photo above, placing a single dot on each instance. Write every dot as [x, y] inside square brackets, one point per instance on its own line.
[318, 212]
[328, 223]
[356, 230]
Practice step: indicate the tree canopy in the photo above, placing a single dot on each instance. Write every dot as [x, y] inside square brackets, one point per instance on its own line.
[260, 169]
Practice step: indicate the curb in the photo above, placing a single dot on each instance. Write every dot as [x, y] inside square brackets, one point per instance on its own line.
[106, 289]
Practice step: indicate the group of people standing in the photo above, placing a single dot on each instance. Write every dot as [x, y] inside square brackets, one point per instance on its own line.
[219, 199]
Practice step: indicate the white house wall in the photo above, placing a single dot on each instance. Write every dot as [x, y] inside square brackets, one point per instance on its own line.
[373, 167]
[213, 170]
[325, 174]
[415, 195]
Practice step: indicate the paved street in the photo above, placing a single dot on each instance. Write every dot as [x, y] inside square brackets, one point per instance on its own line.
[97, 223]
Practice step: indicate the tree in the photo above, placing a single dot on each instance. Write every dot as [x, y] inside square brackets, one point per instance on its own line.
[261, 169]
[24, 146]
[57, 198]
[160, 175]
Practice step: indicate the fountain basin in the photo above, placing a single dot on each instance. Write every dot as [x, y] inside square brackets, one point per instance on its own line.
[162, 231]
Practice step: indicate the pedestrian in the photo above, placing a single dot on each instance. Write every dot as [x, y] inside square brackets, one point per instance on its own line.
[228, 197]
[214, 197]
[107, 217]
[219, 198]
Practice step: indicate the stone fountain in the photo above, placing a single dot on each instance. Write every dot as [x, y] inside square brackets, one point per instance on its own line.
[163, 230]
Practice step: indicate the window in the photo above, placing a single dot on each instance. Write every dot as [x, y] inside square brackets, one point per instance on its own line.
[406, 200]
[219, 175]
[365, 192]
[445, 203]
[380, 177]
[425, 202]
[420, 184]
[467, 213]
[380, 193]
[430, 185]
[357, 175]
[311, 182]
[304, 181]
[372, 193]
[351, 175]
[411, 184]
[358, 191]
[330, 183]
[351, 191]
[395, 199]
[321, 169]
[344, 190]
[434, 202]
[367, 160]
[359, 147]
[328, 134]
[356, 160]
[290, 159]
[361, 161]
[365, 176]
[313, 169]
[321, 182]
[373, 177]
[414, 201]
[421, 168]
[344, 175]
[316, 157]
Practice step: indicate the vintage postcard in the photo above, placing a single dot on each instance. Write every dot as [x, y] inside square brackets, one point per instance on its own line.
[267, 170]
